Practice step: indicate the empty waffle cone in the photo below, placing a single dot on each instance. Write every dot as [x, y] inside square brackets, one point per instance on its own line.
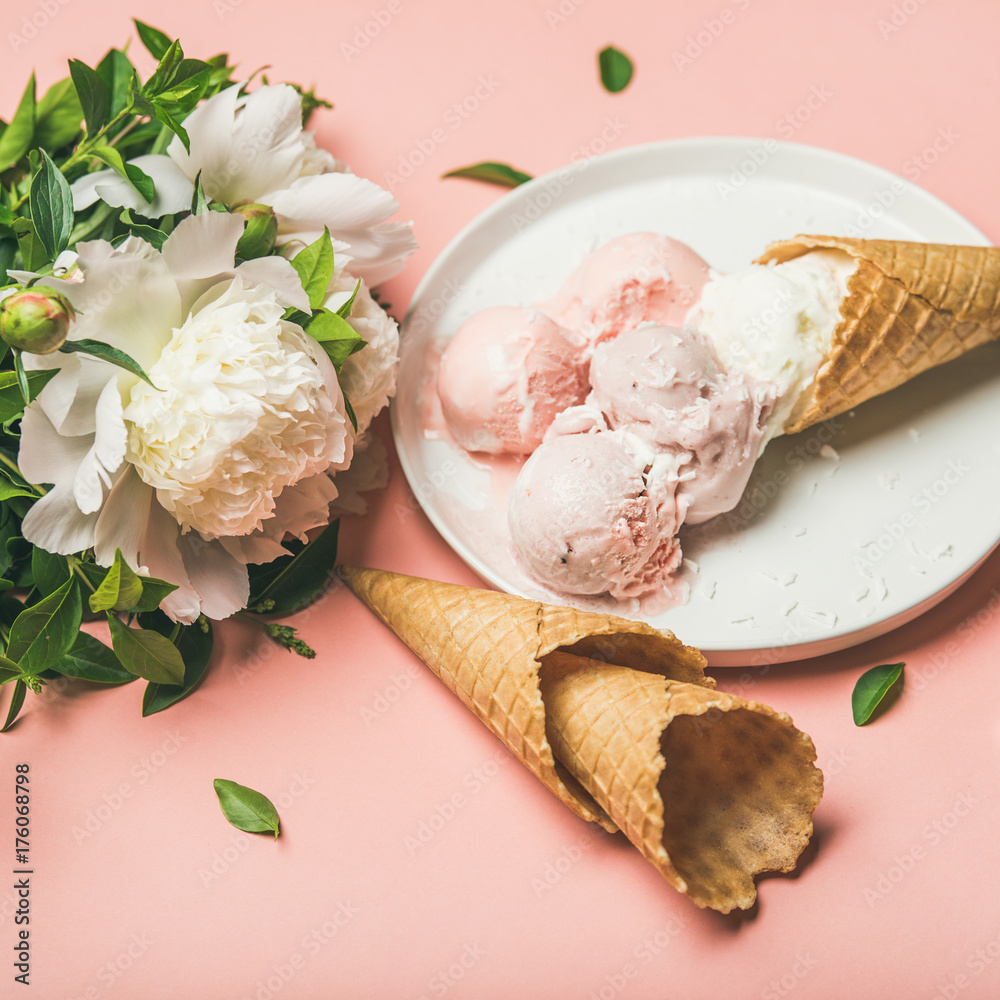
[620, 722]
[486, 647]
[710, 788]
[909, 307]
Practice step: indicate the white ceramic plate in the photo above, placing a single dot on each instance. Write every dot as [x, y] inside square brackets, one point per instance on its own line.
[831, 545]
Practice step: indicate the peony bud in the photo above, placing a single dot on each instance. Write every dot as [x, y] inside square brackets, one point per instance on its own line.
[261, 230]
[36, 319]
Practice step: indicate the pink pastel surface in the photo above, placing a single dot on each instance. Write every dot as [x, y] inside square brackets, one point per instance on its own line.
[417, 858]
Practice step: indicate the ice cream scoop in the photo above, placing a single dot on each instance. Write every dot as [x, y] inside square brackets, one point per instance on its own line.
[668, 386]
[595, 513]
[634, 279]
[777, 322]
[505, 375]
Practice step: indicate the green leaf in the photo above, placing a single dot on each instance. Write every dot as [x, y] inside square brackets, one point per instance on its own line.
[9, 670]
[501, 174]
[117, 74]
[141, 181]
[154, 109]
[51, 206]
[154, 590]
[11, 401]
[157, 237]
[33, 253]
[93, 95]
[120, 589]
[247, 809]
[9, 490]
[58, 116]
[195, 645]
[296, 580]
[146, 653]
[314, 265]
[199, 203]
[156, 41]
[339, 339]
[89, 659]
[49, 571]
[351, 415]
[41, 634]
[165, 68]
[16, 138]
[187, 84]
[345, 310]
[106, 352]
[16, 701]
[871, 688]
[616, 69]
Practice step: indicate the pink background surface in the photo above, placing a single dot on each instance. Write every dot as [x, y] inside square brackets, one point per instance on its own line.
[378, 887]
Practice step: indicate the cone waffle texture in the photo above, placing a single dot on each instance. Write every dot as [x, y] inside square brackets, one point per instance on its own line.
[619, 721]
[909, 307]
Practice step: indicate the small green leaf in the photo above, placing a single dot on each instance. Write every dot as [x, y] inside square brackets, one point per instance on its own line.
[247, 809]
[345, 310]
[9, 670]
[339, 339]
[117, 74]
[49, 571]
[120, 590]
[9, 490]
[33, 254]
[616, 69]
[58, 116]
[153, 236]
[199, 202]
[16, 138]
[41, 634]
[51, 206]
[106, 352]
[154, 591]
[141, 181]
[146, 653]
[871, 688]
[314, 265]
[195, 646]
[156, 41]
[89, 659]
[164, 115]
[93, 95]
[165, 68]
[16, 701]
[351, 415]
[11, 400]
[291, 582]
[501, 174]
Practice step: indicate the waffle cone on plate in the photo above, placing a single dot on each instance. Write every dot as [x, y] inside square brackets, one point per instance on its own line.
[909, 307]
[619, 721]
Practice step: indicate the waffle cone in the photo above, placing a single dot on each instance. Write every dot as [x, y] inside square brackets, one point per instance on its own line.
[587, 702]
[710, 788]
[909, 307]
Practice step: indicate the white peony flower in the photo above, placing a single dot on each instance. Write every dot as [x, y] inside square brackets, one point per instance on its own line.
[253, 148]
[208, 472]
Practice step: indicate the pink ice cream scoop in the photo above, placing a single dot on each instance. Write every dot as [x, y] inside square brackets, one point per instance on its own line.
[591, 513]
[505, 375]
[667, 386]
[634, 279]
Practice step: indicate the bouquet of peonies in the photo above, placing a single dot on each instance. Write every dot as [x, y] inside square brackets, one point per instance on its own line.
[191, 360]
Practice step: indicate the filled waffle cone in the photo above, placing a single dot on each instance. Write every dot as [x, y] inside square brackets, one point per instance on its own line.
[908, 307]
[620, 722]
